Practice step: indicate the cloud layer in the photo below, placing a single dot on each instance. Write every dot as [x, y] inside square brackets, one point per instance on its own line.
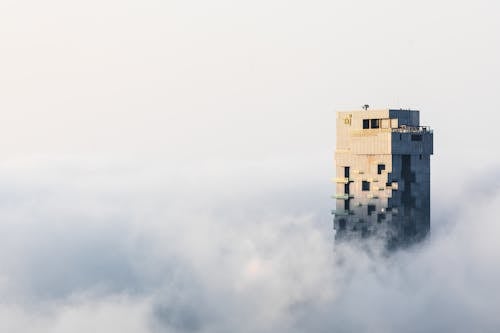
[217, 218]
[102, 247]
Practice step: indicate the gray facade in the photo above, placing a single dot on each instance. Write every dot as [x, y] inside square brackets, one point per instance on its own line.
[383, 176]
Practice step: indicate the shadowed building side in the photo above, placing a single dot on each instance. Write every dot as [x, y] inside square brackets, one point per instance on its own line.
[383, 176]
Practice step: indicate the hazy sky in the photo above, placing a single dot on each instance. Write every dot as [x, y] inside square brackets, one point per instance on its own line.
[165, 165]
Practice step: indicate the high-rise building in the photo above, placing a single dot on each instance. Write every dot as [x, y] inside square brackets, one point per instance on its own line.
[383, 176]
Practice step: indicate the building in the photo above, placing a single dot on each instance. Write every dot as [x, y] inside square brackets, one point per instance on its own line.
[383, 176]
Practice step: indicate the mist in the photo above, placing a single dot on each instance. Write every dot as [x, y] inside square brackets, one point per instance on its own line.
[165, 165]
[122, 246]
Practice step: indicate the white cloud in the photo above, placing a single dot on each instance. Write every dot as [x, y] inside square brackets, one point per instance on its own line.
[81, 252]
[165, 164]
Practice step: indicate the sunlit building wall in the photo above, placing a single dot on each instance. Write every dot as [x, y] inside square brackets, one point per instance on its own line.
[382, 175]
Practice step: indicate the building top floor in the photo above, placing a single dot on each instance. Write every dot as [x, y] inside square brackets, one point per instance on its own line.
[392, 118]
[382, 131]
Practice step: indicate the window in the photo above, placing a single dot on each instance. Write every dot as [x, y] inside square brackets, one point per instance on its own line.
[380, 168]
[400, 137]
[416, 137]
[347, 205]
[346, 172]
[366, 123]
[420, 156]
[371, 209]
[365, 186]
[375, 123]
[380, 217]
[346, 188]
[342, 224]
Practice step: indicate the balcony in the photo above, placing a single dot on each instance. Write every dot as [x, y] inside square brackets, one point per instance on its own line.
[342, 180]
[342, 212]
[343, 196]
[392, 185]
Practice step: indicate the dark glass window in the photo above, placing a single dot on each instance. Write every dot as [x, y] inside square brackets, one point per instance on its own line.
[375, 123]
[380, 217]
[371, 209]
[366, 123]
[365, 186]
[346, 188]
[380, 168]
[346, 172]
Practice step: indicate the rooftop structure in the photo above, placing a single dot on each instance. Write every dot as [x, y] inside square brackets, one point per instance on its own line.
[383, 176]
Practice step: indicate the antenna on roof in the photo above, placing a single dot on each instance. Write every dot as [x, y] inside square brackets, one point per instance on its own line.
[365, 107]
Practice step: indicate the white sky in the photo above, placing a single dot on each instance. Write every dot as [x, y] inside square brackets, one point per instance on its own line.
[226, 80]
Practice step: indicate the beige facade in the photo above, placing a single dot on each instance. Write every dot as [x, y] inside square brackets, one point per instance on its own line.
[383, 175]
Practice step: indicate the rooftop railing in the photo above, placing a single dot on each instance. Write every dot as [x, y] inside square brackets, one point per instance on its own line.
[400, 129]
[412, 129]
